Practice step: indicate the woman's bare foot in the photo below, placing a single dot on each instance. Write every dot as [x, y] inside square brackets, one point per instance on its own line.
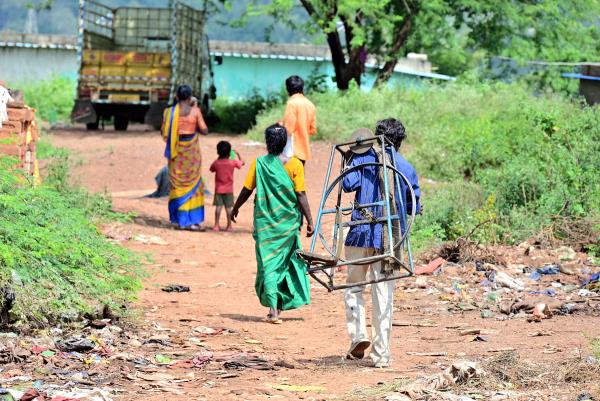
[216, 228]
[229, 229]
[273, 316]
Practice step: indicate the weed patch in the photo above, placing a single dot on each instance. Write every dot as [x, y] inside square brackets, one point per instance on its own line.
[53, 259]
[53, 98]
[494, 160]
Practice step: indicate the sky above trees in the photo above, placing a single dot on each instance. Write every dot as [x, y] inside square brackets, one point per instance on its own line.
[62, 19]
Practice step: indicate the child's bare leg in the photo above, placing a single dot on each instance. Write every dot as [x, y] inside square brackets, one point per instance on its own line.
[218, 217]
[228, 213]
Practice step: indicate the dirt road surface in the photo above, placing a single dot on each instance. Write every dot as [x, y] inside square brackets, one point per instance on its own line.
[220, 269]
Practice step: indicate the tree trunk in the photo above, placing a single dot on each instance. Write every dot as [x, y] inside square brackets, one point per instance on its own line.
[345, 71]
[400, 36]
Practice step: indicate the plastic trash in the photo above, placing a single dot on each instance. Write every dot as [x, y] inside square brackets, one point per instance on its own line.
[593, 282]
[176, 288]
[76, 345]
[504, 280]
[548, 269]
[551, 292]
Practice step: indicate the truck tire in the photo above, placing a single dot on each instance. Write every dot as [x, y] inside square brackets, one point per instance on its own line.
[92, 126]
[121, 123]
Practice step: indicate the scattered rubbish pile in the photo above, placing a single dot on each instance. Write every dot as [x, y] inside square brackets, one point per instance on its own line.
[526, 281]
[101, 361]
[18, 130]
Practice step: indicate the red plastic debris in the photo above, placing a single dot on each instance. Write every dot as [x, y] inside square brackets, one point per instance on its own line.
[430, 267]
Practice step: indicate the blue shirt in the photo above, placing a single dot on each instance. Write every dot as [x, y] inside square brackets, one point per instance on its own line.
[365, 183]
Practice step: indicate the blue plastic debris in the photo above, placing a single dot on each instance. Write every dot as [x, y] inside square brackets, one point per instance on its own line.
[549, 269]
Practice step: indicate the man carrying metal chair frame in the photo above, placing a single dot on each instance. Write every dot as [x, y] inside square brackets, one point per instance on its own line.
[365, 240]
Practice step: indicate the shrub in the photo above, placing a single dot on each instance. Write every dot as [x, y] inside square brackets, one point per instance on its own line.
[52, 255]
[53, 98]
[495, 152]
[238, 116]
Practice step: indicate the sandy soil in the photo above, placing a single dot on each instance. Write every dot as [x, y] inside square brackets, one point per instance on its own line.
[220, 269]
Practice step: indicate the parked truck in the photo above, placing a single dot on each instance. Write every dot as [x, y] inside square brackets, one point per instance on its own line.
[132, 59]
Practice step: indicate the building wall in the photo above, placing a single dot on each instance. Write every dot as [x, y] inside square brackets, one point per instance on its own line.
[237, 77]
[18, 64]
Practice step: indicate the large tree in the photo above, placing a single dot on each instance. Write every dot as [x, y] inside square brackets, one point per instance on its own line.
[451, 31]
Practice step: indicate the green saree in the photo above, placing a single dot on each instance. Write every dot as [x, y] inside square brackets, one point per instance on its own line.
[281, 281]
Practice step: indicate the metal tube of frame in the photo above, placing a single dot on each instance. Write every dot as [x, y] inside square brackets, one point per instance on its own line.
[339, 201]
[373, 139]
[403, 214]
[387, 198]
[371, 221]
[361, 261]
[323, 199]
[328, 285]
[347, 209]
[363, 283]
[336, 182]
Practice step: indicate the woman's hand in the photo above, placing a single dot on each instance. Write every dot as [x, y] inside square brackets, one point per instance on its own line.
[234, 214]
[309, 229]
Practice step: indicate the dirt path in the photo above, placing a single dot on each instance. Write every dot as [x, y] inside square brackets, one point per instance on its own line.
[220, 269]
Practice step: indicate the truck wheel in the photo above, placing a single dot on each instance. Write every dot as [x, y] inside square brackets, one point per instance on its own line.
[93, 126]
[121, 123]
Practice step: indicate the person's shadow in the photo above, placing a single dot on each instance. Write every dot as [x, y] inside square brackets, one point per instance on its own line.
[257, 319]
[151, 221]
[336, 360]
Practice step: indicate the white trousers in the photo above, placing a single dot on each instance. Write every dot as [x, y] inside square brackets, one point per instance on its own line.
[383, 299]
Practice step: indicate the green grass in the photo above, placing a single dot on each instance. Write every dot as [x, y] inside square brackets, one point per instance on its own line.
[53, 98]
[52, 254]
[595, 346]
[488, 151]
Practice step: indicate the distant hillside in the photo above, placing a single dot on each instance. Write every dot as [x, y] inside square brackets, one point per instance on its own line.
[62, 19]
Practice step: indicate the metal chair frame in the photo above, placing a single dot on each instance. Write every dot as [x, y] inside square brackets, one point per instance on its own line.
[329, 267]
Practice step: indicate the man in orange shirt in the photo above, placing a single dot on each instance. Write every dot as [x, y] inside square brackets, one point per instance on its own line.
[300, 120]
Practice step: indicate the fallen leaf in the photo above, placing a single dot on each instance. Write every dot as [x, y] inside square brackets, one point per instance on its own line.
[398, 323]
[152, 377]
[162, 360]
[204, 330]
[298, 389]
[541, 333]
[470, 332]
[150, 239]
[251, 341]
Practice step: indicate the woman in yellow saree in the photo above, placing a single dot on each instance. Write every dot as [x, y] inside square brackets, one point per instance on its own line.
[182, 124]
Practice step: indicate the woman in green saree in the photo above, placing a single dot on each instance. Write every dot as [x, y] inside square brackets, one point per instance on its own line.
[281, 280]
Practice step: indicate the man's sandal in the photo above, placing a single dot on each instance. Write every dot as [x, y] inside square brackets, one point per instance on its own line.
[357, 350]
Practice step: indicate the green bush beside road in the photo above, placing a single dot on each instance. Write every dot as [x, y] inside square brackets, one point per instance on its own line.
[53, 98]
[53, 258]
[485, 153]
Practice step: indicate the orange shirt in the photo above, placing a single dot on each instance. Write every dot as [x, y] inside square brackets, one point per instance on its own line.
[191, 123]
[300, 121]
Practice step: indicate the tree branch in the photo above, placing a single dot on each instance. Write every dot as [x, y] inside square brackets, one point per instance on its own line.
[400, 37]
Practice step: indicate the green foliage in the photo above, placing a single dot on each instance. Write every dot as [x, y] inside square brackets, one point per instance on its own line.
[238, 116]
[489, 155]
[595, 345]
[53, 99]
[456, 35]
[52, 254]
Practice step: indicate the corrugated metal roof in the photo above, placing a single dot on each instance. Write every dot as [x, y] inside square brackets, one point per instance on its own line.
[580, 76]
[39, 45]
[11, 39]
